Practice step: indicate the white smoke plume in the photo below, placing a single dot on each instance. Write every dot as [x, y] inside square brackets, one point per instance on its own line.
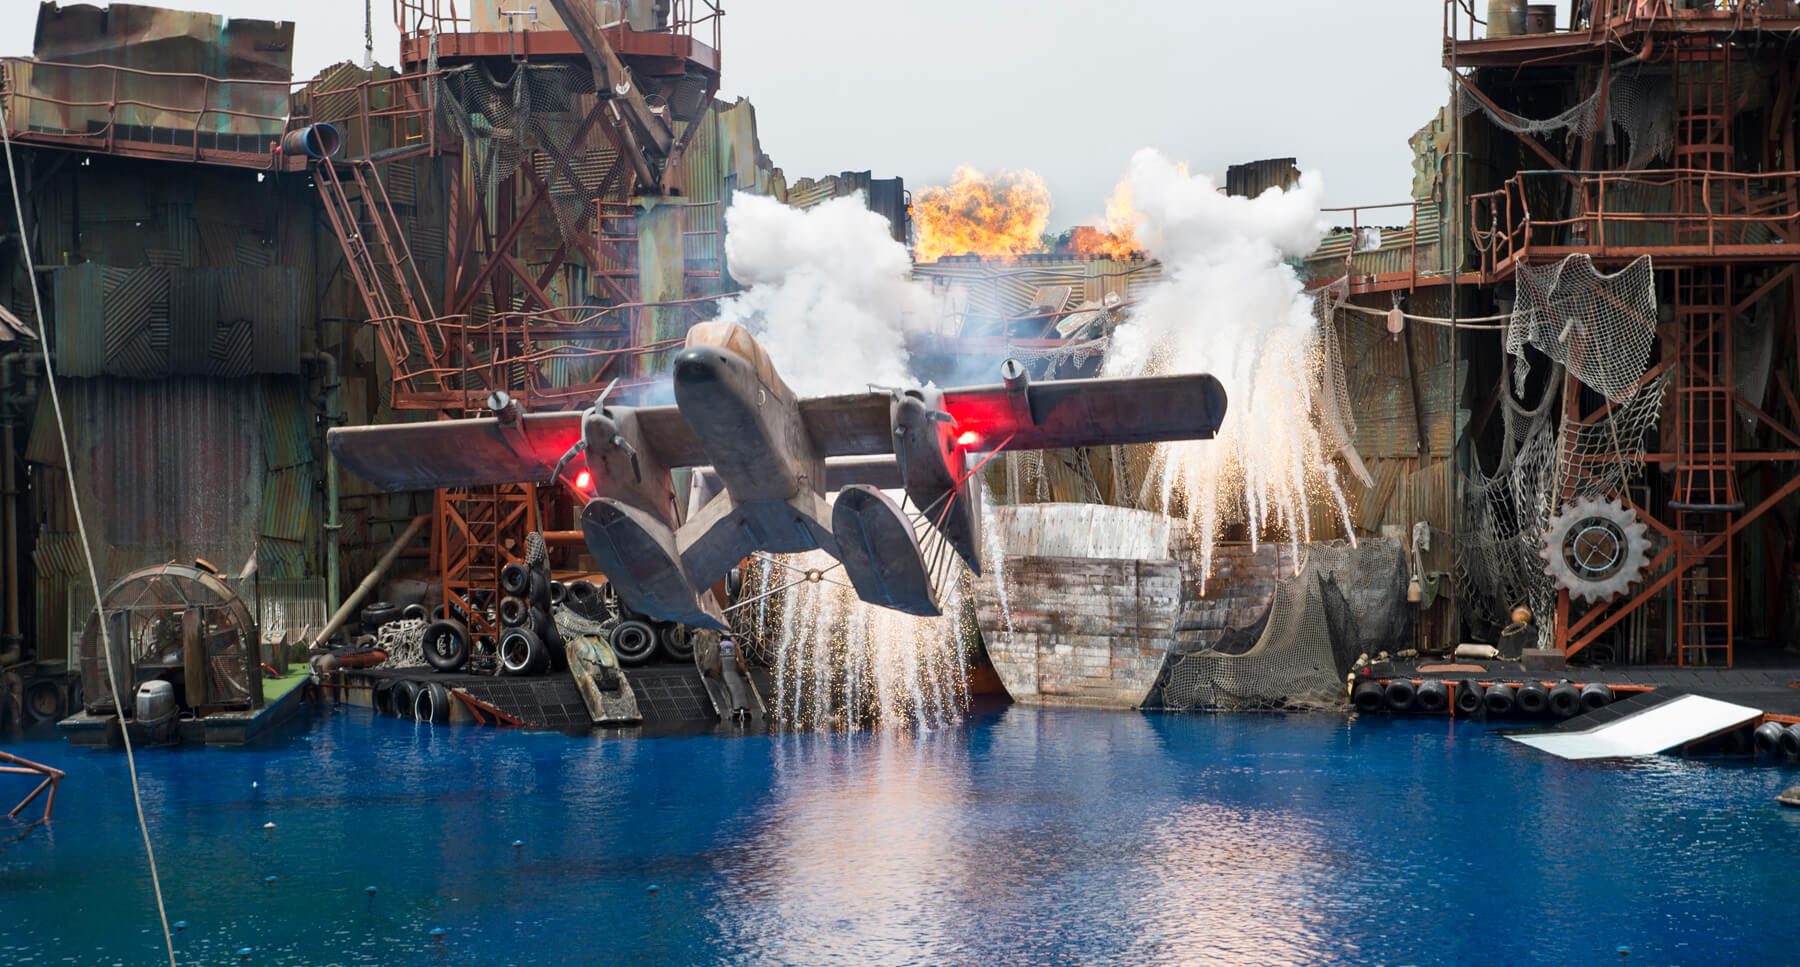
[1230, 304]
[828, 292]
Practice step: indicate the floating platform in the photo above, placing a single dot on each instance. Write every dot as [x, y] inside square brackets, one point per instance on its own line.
[282, 698]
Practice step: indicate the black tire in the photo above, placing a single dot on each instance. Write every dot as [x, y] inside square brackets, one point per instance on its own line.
[633, 642]
[734, 584]
[540, 590]
[1366, 696]
[1595, 695]
[382, 698]
[582, 596]
[1767, 738]
[378, 614]
[559, 593]
[1789, 743]
[522, 652]
[1499, 699]
[1468, 698]
[446, 645]
[515, 578]
[1433, 696]
[362, 642]
[677, 641]
[1564, 700]
[404, 697]
[1399, 695]
[1533, 698]
[46, 700]
[432, 704]
[414, 612]
[514, 611]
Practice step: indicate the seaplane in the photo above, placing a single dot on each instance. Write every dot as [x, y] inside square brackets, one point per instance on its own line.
[765, 463]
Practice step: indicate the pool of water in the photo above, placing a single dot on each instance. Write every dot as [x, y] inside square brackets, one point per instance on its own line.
[1023, 836]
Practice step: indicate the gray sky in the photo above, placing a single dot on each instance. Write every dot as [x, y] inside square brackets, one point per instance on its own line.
[1067, 89]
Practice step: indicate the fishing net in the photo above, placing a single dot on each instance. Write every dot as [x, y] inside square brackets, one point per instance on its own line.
[404, 642]
[1639, 102]
[1344, 602]
[1599, 326]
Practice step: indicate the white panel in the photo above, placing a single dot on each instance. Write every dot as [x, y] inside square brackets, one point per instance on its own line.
[1656, 729]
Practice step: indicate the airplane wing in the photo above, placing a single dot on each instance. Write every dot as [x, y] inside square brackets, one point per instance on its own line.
[482, 452]
[1038, 416]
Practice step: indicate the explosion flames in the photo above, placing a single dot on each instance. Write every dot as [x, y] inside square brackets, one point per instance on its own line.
[998, 216]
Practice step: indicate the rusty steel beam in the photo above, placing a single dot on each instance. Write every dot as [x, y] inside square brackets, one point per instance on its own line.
[646, 133]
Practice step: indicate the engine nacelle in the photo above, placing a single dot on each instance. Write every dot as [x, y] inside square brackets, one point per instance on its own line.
[934, 469]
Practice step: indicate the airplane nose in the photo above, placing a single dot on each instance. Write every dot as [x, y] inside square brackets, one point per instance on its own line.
[694, 366]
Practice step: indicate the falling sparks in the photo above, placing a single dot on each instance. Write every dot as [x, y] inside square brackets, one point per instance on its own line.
[998, 216]
[840, 663]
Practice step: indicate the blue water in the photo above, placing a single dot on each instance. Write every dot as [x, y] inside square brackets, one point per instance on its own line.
[1026, 836]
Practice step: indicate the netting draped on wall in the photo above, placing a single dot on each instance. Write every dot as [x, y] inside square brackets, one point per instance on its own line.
[1599, 326]
[1344, 602]
[1640, 102]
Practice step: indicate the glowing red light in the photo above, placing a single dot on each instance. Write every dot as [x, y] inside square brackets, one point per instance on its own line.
[968, 439]
[583, 479]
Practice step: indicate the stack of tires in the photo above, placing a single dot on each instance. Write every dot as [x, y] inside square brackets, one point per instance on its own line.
[530, 645]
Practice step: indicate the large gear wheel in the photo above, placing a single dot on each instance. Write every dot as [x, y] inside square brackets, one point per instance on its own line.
[1596, 549]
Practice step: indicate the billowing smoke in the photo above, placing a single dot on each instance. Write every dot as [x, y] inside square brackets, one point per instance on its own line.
[1230, 304]
[828, 292]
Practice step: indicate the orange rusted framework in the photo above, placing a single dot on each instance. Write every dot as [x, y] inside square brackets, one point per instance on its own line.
[1722, 224]
[48, 778]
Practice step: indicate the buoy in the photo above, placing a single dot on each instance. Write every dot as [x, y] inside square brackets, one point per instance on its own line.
[1400, 694]
[518, 843]
[1433, 696]
[1468, 698]
[180, 925]
[271, 878]
[1767, 738]
[369, 890]
[1595, 695]
[437, 933]
[1790, 742]
[1367, 696]
[244, 953]
[1533, 698]
[1498, 698]
[268, 825]
[253, 783]
[1565, 700]
[654, 887]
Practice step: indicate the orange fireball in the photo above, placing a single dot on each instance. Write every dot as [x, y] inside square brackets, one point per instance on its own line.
[998, 216]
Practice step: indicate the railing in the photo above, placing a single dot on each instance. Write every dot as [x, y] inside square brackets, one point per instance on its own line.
[1681, 213]
[686, 18]
[1610, 17]
[1358, 221]
[196, 117]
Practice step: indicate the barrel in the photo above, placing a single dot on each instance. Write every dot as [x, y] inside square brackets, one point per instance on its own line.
[314, 141]
[1498, 698]
[1505, 18]
[1540, 18]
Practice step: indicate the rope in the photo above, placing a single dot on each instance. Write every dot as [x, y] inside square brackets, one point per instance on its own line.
[1495, 323]
[87, 552]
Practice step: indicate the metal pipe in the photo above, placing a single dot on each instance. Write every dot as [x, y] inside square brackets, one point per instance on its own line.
[368, 584]
[12, 403]
[334, 416]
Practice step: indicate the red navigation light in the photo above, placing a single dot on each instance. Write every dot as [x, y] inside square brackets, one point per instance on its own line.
[583, 479]
[968, 438]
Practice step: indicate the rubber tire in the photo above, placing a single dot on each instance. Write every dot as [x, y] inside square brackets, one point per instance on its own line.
[414, 612]
[583, 598]
[540, 590]
[45, 700]
[453, 637]
[1767, 738]
[1367, 696]
[515, 578]
[1498, 698]
[1790, 742]
[559, 592]
[1595, 695]
[1433, 696]
[432, 704]
[1564, 700]
[404, 696]
[633, 642]
[1532, 698]
[378, 614]
[1399, 694]
[1468, 698]
[677, 641]
[514, 611]
[522, 652]
[734, 584]
[382, 698]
